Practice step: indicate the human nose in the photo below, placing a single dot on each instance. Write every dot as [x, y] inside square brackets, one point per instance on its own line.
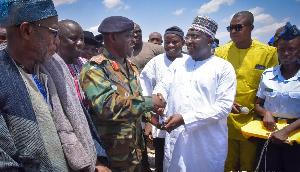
[285, 53]
[80, 43]
[133, 40]
[170, 44]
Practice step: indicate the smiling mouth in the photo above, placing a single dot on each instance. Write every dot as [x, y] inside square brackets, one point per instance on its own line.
[171, 50]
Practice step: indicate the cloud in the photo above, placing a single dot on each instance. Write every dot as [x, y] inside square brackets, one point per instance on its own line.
[227, 20]
[259, 17]
[93, 29]
[257, 10]
[297, 0]
[119, 8]
[213, 6]
[127, 7]
[221, 35]
[270, 28]
[178, 12]
[59, 2]
[112, 3]
[264, 18]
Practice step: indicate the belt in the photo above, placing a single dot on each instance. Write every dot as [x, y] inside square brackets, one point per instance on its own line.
[284, 120]
[279, 120]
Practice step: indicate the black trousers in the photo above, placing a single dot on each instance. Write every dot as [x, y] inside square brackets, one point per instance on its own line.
[283, 157]
[159, 145]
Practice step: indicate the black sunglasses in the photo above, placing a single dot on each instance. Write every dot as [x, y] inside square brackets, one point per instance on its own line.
[237, 27]
[54, 31]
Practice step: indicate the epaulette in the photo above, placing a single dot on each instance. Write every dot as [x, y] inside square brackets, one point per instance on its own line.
[131, 62]
[131, 65]
[98, 59]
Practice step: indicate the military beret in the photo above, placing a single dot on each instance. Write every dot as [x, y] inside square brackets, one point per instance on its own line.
[15, 12]
[115, 24]
[175, 30]
[90, 39]
[289, 32]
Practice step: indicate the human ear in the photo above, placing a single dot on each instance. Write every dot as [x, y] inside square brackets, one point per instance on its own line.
[112, 37]
[26, 30]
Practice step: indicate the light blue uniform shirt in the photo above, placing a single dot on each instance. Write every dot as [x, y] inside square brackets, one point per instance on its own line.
[282, 97]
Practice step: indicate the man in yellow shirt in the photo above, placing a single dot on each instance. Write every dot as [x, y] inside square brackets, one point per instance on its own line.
[249, 59]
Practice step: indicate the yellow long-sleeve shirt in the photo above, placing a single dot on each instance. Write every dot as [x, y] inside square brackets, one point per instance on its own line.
[248, 64]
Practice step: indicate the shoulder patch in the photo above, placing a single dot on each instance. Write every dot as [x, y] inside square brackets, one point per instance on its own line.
[98, 59]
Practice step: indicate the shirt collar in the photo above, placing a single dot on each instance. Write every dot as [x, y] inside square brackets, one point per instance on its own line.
[277, 73]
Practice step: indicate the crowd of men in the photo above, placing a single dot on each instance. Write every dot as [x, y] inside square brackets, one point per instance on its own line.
[72, 101]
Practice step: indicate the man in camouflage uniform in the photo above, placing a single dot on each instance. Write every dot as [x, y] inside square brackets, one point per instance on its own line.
[111, 84]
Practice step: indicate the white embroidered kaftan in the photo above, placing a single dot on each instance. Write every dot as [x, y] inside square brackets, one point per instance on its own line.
[152, 74]
[203, 93]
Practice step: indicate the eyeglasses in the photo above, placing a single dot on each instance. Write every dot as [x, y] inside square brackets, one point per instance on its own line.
[54, 31]
[237, 27]
[194, 37]
[137, 31]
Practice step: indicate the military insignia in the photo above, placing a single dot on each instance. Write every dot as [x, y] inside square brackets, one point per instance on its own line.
[115, 65]
[126, 94]
[295, 32]
[114, 87]
[130, 64]
[98, 59]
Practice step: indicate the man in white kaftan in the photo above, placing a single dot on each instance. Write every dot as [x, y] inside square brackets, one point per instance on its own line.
[200, 91]
[153, 73]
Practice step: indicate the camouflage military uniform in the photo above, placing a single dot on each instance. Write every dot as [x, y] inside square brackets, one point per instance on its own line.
[114, 94]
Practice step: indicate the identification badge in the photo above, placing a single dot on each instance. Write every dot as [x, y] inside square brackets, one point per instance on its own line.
[268, 89]
[260, 67]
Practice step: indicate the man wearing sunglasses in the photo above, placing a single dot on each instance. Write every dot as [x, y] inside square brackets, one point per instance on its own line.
[249, 59]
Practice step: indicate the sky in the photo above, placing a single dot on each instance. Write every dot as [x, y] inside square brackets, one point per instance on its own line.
[158, 15]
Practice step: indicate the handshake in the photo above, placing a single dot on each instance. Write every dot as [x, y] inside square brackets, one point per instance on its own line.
[173, 122]
[159, 103]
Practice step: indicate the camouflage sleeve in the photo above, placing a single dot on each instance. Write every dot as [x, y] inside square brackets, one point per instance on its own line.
[106, 101]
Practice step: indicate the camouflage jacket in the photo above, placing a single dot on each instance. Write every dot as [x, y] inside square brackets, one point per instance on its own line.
[116, 100]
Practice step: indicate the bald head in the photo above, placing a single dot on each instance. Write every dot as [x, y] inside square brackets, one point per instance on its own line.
[71, 40]
[245, 14]
[155, 38]
[137, 34]
[65, 25]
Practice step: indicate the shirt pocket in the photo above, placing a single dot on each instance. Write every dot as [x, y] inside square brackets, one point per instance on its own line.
[254, 78]
[294, 102]
[271, 101]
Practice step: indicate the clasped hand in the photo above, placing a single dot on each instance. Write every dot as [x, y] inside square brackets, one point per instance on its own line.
[159, 103]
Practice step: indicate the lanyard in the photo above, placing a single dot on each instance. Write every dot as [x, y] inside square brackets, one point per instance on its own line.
[40, 86]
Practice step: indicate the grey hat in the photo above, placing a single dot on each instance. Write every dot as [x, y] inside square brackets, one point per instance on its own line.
[15, 12]
[115, 24]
